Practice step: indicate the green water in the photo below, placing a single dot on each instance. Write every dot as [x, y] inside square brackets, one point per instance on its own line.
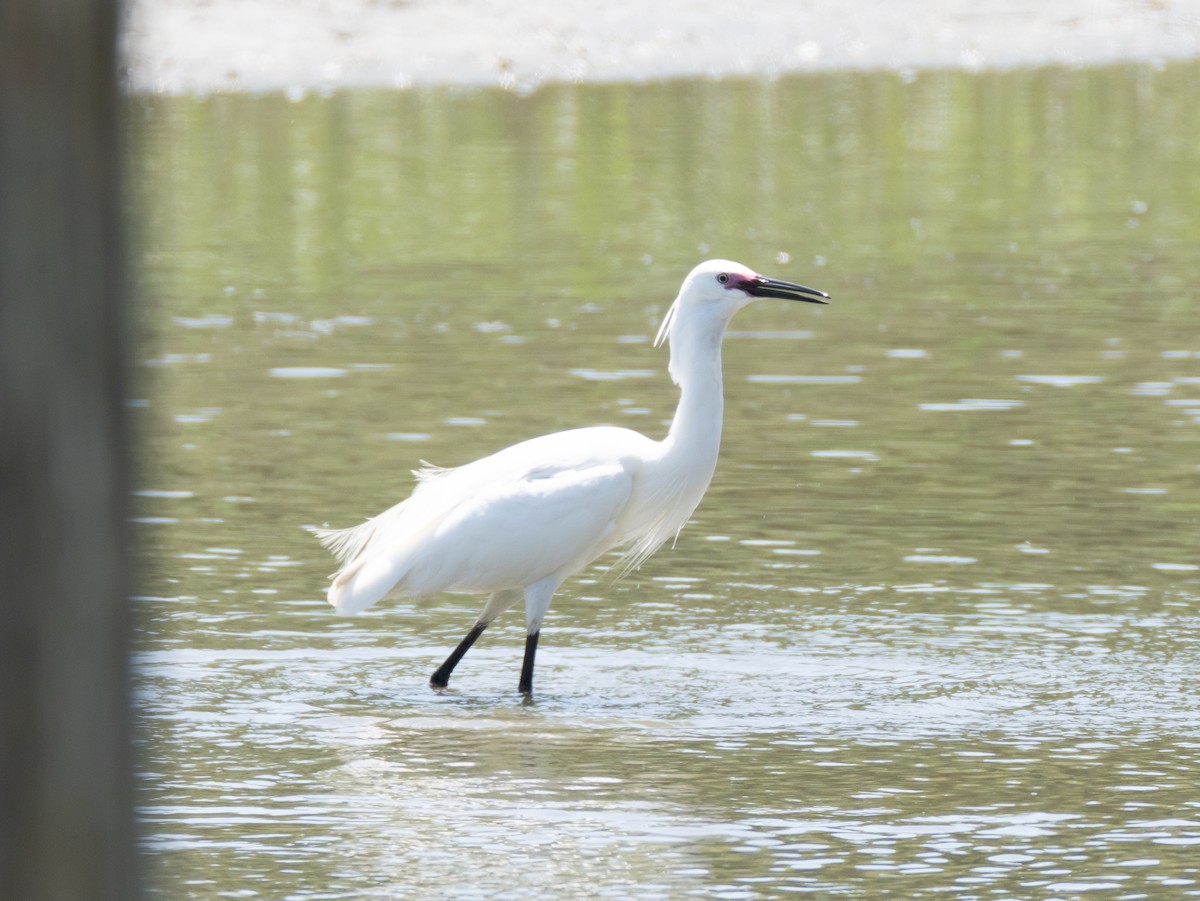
[934, 630]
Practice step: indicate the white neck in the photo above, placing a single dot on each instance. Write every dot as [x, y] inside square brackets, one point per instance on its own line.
[695, 435]
[677, 480]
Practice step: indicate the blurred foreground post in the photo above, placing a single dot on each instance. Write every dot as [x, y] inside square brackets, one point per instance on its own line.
[66, 822]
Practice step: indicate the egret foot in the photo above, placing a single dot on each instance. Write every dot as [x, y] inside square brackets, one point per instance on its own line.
[525, 686]
[441, 676]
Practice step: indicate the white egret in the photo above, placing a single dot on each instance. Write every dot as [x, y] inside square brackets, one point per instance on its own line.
[517, 523]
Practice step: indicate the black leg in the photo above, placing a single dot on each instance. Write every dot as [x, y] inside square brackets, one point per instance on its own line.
[525, 686]
[441, 676]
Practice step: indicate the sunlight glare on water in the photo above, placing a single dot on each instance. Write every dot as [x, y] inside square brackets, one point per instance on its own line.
[934, 628]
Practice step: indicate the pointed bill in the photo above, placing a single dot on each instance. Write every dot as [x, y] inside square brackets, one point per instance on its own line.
[761, 286]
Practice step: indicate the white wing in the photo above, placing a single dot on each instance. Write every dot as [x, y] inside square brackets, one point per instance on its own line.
[543, 507]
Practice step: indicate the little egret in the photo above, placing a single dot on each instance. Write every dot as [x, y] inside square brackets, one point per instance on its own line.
[517, 523]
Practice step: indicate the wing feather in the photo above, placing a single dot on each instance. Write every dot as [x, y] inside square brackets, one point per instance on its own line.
[544, 506]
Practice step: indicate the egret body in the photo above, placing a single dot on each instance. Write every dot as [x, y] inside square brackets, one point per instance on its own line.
[517, 523]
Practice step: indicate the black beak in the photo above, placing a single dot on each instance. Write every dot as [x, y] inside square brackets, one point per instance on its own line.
[770, 287]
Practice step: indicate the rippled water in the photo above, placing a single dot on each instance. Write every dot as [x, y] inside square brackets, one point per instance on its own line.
[934, 630]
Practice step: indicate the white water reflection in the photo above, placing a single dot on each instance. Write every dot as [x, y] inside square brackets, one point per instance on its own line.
[679, 758]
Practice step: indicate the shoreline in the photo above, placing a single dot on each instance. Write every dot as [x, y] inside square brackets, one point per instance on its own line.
[264, 46]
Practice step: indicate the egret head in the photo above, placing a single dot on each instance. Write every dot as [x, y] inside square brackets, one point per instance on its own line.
[716, 289]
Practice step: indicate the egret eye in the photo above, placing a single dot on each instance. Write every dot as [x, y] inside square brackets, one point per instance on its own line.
[722, 278]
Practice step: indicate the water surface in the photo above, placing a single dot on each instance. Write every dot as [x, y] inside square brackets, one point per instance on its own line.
[934, 629]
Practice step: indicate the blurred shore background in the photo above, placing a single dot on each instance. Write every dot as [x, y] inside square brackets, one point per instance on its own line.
[190, 46]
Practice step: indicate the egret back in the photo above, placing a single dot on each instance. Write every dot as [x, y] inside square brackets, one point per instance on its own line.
[542, 507]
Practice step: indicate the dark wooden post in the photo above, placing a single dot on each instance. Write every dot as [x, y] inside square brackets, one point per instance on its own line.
[66, 822]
